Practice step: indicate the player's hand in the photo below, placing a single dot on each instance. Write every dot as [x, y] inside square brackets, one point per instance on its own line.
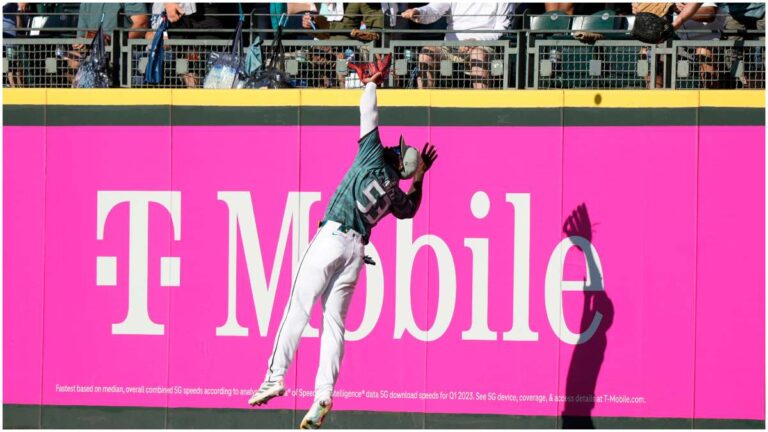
[428, 156]
[174, 11]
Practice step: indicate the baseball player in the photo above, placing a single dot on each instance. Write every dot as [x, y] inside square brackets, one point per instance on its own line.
[333, 260]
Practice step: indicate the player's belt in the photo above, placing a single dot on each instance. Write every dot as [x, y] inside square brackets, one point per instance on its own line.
[344, 229]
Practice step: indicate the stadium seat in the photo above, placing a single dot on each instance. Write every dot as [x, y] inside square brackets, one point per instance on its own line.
[548, 22]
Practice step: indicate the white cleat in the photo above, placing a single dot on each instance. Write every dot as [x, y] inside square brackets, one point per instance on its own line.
[267, 391]
[316, 414]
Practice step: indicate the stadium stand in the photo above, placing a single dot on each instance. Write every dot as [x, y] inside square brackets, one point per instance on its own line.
[540, 47]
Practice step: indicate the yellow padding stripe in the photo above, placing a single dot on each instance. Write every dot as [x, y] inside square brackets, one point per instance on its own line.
[733, 98]
[400, 97]
[95, 97]
[24, 96]
[631, 99]
[237, 98]
[497, 98]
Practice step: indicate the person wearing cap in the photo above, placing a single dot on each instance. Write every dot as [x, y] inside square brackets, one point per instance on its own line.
[333, 260]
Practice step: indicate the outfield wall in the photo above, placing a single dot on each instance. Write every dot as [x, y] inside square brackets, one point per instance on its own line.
[151, 238]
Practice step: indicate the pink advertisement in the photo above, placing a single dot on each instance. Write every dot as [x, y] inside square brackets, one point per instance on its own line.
[151, 265]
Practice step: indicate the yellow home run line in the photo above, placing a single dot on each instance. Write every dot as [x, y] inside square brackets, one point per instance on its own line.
[394, 97]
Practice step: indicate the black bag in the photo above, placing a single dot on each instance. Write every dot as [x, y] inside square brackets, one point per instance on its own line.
[273, 76]
[93, 71]
[651, 29]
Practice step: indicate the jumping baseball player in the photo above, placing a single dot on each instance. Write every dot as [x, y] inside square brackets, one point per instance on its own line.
[333, 260]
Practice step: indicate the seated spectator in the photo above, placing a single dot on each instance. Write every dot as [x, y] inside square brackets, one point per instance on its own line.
[706, 24]
[667, 12]
[461, 16]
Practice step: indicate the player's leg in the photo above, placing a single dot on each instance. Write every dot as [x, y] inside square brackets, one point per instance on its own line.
[335, 305]
[369, 110]
[314, 275]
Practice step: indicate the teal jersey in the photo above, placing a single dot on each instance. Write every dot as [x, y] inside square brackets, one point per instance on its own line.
[369, 190]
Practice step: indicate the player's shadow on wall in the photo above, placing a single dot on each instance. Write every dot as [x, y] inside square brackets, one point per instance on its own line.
[587, 356]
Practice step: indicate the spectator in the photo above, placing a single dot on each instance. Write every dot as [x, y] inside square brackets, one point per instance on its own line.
[352, 21]
[667, 12]
[296, 13]
[461, 16]
[394, 21]
[705, 25]
[262, 24]
[196, 21]
[346, 22]
[743, 16]
[90, 15]
[11, 21]
[566, 8]
[740, 18]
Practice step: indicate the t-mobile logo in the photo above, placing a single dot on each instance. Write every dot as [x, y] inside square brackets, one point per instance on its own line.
[138, 320]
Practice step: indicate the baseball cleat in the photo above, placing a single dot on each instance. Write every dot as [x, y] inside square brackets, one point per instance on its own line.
[316, 414]
[267, 391]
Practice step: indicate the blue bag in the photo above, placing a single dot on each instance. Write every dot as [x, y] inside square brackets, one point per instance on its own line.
[253, 58]
[153, 74]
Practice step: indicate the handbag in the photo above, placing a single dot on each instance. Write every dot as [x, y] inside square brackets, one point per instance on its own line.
[273, 75]
[225, 69]
[153, 74]
[93, 71]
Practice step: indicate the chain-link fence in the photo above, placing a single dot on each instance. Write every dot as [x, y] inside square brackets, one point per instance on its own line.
[718, 64]
[454, 64]
[184, 63]
[43, 62]
[604, 64]
[521, 59]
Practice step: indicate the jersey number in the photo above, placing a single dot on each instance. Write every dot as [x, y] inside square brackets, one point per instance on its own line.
[365, 208]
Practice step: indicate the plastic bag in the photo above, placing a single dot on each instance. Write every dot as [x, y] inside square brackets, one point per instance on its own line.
[225, 70]
[93, 71]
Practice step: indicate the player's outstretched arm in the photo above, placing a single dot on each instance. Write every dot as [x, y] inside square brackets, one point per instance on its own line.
[369, 110]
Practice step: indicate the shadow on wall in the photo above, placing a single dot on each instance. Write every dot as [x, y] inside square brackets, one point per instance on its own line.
[587, 356]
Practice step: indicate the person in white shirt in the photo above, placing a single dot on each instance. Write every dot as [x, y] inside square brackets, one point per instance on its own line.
[462, 19]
